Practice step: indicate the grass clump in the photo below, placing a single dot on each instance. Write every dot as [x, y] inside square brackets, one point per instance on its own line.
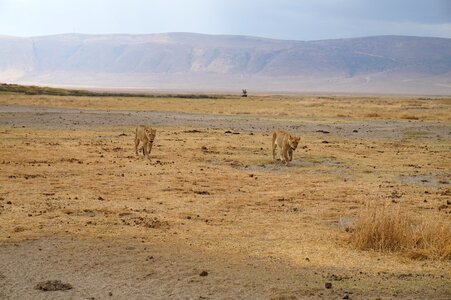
[389, 229]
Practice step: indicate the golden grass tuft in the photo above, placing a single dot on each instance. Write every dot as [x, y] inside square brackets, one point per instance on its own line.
[389, 229]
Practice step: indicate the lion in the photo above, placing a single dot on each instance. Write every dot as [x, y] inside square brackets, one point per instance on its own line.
[146, 136]
[287, 144]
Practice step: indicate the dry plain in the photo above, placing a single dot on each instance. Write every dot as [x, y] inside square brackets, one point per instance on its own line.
[211, 216]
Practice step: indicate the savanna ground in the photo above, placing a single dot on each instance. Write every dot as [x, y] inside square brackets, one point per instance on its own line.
[211, 216]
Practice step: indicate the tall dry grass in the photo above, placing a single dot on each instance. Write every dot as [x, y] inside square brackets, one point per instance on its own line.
[390, 229]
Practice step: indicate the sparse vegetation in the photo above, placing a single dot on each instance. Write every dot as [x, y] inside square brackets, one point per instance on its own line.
[390, 229]
[71, 182]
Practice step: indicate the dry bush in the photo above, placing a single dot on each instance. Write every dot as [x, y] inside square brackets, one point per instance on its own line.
[372, 115]
[388, 229]
[409, 117]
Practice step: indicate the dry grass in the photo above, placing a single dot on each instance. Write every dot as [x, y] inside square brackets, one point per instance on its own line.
[210, 192]
[334, 108]
[390, 229]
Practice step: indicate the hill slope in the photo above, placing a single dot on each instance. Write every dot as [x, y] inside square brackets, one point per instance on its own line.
[186, 61]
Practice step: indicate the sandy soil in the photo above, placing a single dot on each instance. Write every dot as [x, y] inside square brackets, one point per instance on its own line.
[211, 216]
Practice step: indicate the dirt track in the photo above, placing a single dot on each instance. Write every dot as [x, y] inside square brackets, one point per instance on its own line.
[76, 205]
[41, 117]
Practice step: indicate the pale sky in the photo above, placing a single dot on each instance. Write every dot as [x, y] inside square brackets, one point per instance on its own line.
[280, 19]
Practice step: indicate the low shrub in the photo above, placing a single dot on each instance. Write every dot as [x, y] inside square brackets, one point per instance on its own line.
[389, 229]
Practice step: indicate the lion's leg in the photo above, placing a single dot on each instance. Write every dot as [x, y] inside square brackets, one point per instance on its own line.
[290, 154]
[136, 145]
[149, 149]
[145, 150]
[285, 156]
[281, 151]
[274, 146]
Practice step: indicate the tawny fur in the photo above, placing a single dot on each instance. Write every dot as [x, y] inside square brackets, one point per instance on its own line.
[145, 135]
[286, 143]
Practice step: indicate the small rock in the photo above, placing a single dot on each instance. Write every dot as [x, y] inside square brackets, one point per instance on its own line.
[203, 273]
[328, 285]
[323, 131]
[53, 285]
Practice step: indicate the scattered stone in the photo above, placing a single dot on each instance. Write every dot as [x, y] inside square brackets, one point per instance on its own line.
[323, 131]
[443, 206]
[328, 285]
[9, 202]
[100, 198]
[53, 285]
[123, 134]
[325, 142]
[284, 297]
[203, 273]
[202, 192]
[192, 131]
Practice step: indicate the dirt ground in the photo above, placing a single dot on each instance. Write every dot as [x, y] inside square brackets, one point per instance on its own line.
[211, 216]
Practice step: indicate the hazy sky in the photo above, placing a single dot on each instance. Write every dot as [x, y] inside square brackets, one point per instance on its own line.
[283, 19]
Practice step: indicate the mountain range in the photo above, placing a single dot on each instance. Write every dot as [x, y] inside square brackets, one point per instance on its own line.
[198, 62]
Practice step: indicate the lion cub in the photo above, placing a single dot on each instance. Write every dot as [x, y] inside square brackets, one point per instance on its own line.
[287, 144]
[146, 136]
